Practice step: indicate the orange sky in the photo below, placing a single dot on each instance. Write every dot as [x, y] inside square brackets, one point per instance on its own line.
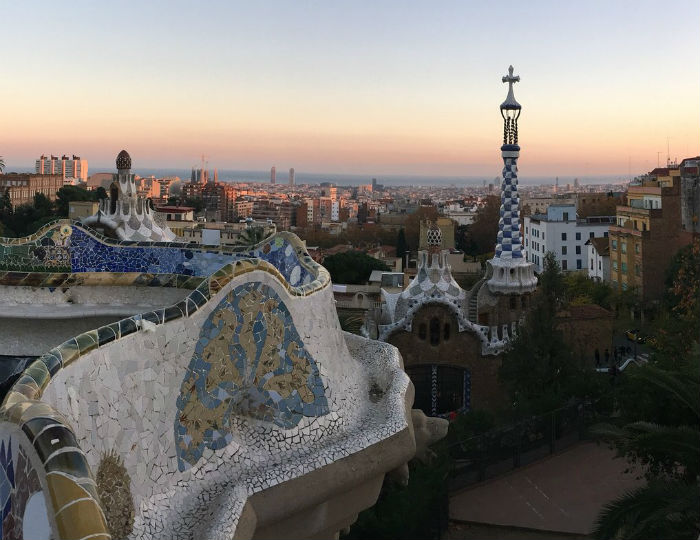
[332, 90]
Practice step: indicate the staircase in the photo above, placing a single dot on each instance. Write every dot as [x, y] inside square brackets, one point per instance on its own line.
[473, 300]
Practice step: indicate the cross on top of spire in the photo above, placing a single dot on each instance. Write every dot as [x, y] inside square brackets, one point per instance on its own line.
[510, 102]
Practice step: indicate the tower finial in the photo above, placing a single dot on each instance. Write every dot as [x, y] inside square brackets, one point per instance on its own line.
[510, 102]
[510, 110]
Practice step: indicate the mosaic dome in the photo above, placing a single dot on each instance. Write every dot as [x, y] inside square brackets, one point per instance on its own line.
[434, 236]
[123, 160]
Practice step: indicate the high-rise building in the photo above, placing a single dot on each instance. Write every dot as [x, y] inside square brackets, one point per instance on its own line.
[273, 175]
[291, 176]
[65, 166]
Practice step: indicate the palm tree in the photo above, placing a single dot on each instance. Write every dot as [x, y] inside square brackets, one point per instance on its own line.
[2, 165]
[251, 236]
[668, 506]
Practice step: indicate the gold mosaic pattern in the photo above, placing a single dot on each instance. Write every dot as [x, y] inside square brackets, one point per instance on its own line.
[249, 361]
[113, 487]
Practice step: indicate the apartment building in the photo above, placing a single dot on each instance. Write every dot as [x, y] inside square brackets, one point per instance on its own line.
[647, 233]
[21, 187]
[75, 168]
[564, 234]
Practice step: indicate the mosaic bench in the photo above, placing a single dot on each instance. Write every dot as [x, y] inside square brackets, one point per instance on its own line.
[241, 411]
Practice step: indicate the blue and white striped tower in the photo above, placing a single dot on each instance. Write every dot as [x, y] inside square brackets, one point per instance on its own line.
[510, 272]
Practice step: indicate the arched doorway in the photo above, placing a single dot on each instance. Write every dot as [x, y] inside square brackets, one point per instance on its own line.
[440, 389]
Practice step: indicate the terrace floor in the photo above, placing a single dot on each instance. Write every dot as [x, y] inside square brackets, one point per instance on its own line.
[560, 495]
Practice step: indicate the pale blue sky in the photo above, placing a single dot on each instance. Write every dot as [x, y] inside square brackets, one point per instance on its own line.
[351, 86]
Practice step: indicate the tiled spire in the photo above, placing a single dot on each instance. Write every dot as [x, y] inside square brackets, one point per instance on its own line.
[509, 243]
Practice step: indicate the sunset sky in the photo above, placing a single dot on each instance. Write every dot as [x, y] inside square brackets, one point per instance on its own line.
[352, 87]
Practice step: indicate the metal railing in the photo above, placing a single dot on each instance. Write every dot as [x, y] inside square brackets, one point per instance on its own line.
[501, 450]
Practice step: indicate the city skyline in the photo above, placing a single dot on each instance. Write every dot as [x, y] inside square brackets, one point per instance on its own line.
[354, 88]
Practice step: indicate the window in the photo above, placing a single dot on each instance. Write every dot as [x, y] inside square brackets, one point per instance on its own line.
[564, 265]
[637, 270]
[615, 266]
[624, 267]
[644, 226]
[613, 244]
[563, 250]
[591, 264]
[434, 331]
[563, 237]
[579, 264]
[566, 216]
[623, 247]
[578, 250]
[605, 234]
[591, 234]
[526, 242]
[526, 231]
[636, 247]
[624, 285]
[578, 236]
[542, 235]
[600, 265]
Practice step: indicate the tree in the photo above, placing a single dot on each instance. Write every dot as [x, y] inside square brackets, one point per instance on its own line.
[5, 203]
[250, 236]
[680, 319]
[580, 289]
[194, 202]
[412, 224]
[2, 165]
[538, 369]
[659, 421]
[352, 267]
[668, 506]
[551, 281]
[101, 193]
[42, 205]
[481, 234]
[66, 194]
[401, 245]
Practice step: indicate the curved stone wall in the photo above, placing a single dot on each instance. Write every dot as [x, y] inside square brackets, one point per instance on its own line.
[179, 417]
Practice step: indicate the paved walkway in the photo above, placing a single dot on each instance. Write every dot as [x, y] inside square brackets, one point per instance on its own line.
[562, 493]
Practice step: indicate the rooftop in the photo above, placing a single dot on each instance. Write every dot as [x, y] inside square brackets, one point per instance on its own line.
[601, 245]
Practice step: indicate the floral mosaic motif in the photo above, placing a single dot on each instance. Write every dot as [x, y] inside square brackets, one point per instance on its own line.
[18, 482]
[249, 361]
[50, 252]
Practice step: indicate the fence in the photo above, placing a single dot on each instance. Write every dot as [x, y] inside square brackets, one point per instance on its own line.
[500, 450]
